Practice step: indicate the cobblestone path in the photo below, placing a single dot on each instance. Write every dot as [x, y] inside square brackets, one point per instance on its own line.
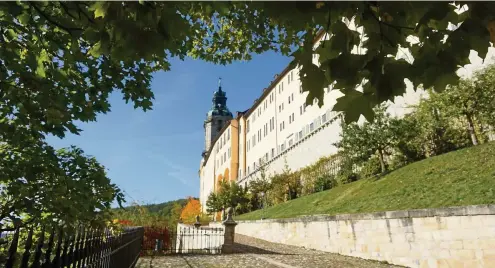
[251, 252]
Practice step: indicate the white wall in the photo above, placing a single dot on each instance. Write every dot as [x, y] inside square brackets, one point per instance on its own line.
[446, 237]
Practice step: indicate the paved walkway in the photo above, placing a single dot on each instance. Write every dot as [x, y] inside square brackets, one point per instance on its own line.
[258, 253]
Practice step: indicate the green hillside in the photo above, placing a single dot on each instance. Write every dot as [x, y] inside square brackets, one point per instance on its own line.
[165, 207]
[464, 177]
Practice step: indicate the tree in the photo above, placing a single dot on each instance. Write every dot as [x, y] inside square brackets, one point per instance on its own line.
[376, 137]
[231, 194]
[190, 211]
[286, 185]
[72, 55]
[260, 185]
[175, 215]
[438, 132]
[472, 100]
[69, 187]
[213, 203]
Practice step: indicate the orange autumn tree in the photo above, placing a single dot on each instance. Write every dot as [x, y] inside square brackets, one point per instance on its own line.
[190, 211]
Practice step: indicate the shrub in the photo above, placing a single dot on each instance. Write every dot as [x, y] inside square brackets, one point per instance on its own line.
[370, 168]
[324, 182]
[347, 177]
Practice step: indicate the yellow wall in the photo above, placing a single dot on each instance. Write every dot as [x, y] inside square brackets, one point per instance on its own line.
[234, 153]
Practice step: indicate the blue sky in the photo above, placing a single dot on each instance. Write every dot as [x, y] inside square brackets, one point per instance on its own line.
[154, 156]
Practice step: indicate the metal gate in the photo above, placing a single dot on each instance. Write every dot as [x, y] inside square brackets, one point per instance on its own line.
[184, 240]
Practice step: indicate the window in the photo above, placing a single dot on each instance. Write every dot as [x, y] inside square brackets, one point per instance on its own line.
[291, 76]
[254, 117]
[324, 118]
[290, 119]
[254, 166]
[300, 134]
[292, 96]
[282, 106]
[283, 124]
[266, 157]
[247, 146]
[225, 156]
[248, 171]
[247, 126]
[280, 126]
[229, 153]
[290, 142]
[273, 152]
[254, 140]
[300, 89]
[300, 109]
[288, 79]
[304, 107]
[289, 99]
[311, 126]
[228, 134]
[279, 108]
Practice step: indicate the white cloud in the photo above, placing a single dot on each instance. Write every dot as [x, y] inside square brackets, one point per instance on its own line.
[175, 171]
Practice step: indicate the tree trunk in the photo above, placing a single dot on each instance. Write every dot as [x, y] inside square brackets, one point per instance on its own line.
[472, 133]
[382, 162]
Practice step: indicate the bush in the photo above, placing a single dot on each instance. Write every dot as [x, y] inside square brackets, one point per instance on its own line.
[324, 182]
[371, 168]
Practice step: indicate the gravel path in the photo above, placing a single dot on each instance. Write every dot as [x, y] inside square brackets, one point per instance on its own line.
[251, 252]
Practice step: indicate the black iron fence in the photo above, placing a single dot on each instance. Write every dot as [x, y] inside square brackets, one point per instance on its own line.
[56, 247]
[184, 240]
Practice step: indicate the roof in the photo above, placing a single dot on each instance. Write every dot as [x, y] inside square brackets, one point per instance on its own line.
[278, 77]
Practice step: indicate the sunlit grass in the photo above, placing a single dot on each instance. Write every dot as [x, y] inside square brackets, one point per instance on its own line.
[464, 177]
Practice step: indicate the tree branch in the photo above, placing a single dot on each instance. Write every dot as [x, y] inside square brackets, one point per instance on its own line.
[67, 29]
[66, 9]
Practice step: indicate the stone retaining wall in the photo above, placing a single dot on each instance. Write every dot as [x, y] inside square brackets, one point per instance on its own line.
[446, 237]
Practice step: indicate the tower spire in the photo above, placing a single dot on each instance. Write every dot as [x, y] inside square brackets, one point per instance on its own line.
[220, 83]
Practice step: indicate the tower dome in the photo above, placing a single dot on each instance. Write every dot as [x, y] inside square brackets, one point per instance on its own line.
[219, 103]
[217, 117]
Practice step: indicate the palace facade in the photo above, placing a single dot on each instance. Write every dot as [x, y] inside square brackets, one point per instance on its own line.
[278, 127]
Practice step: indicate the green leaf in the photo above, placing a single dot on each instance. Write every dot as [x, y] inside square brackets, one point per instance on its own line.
[95, 50]
[41, 59]
[446, 79]
[99, 9]
[353, 104]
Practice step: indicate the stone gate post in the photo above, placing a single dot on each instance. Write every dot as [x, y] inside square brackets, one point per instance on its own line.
[229, 232]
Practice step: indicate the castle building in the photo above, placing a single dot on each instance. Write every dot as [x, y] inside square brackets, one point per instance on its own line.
[278, 128]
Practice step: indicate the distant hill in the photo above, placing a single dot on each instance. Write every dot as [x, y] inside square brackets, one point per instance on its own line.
[164, 208]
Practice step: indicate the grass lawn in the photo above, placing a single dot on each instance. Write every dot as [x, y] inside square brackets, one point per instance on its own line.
[464, 177]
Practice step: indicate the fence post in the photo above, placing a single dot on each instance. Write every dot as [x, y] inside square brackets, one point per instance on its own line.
[197, 224]
[229, 232]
